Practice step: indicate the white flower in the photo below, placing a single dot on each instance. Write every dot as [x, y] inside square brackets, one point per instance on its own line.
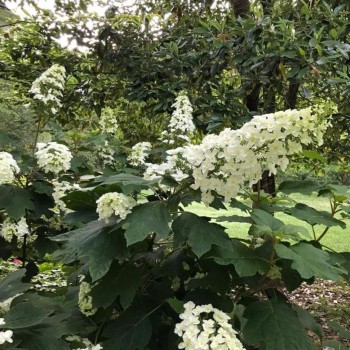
[8, 168]
[114, 203]
[6, 337]
[60, 190]
[106, 153]
[108, 122]
[181, 125]
[49, 86]
[53, 157]
[87, 343]
[226, 162]
[85, 300]
[2, 321]
[204, 327]
[139, 153]
[10, 228]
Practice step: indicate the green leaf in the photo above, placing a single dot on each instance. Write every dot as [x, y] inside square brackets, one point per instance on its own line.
[128, 182]
[343, 332]
[15, 201]
[120, 281]
[199, 233]
[263, 218]
[315, 217]
[309, 261]
[12, 285]
[308, 321]
[273, 325]
[97, 242]
[145, 219]
[313, 155]
[131, 331]
[304, 186]
[26, 314]
[245, 260]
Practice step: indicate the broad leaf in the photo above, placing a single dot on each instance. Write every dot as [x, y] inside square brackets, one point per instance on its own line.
[152, 217]
[12, 285]
[245, 260]
[298, 186]
[120, 281]
[15, 201]
[315, 217]
[308, 321]
[128, 182]
[273, 325]
[199, 233]
[97, 243]
[263, 218]
[26, 314]
[309, 261]
[131, 331]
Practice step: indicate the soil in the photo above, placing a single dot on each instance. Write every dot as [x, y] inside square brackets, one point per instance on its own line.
[326, 301]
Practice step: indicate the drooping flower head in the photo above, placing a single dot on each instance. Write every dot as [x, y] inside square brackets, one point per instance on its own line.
[114, 203]
[8, 168]
[205, 327]
[48, 88]
[53, 157]
[225, 162]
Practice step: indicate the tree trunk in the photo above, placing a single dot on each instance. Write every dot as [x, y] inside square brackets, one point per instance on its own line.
[241, 8]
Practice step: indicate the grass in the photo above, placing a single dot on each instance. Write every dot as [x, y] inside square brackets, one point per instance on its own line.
[336, 238]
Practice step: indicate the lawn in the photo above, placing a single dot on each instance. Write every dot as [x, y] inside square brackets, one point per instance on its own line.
[337, 238]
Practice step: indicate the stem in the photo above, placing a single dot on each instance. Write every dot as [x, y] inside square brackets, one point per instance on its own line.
[313, 231]
[24, 250]
[98, 332]
[36, 137]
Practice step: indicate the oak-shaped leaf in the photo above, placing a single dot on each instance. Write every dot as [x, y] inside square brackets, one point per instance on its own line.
[199, 234]
[273, 325]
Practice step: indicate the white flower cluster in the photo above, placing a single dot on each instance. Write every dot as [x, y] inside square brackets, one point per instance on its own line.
[139, 153]
[114, 203]
[174, 166]
[108, 122]
[5, 336]
[106, 153]
[10, 228]
[53, 157]
[8, 168]
[206, 328]
[85, 342]
[85, 299]
[60, 190]
[49, 86]
[181, 124]
[224, 163]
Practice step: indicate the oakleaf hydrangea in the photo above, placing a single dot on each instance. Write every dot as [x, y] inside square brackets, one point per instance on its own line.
[8, 168]
[139, 153]
[10, 228]
[114, 203]
[53, 157]
[84, 342]
[49, 86]
[108, 122]
[60, 190]
[181, 125]
[85, 299]
[204, 327]
[225, 162]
